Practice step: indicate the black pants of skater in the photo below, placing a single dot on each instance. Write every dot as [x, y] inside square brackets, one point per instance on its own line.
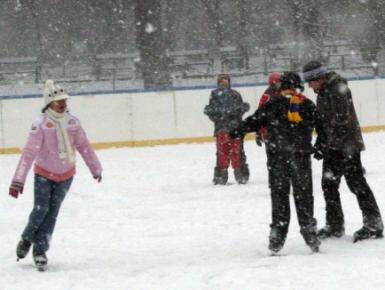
[286, 169]
[335, 165]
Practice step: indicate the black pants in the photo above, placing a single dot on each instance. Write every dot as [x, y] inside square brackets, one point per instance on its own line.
[286, 169]
[335, 165]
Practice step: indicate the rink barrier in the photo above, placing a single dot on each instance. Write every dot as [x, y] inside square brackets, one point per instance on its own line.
[151, 143]
[149, 118]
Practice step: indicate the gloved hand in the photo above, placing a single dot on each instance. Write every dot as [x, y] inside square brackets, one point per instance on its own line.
[98, 178]
[258, 140]
[237, 133]
[318, 154]
[15, 189]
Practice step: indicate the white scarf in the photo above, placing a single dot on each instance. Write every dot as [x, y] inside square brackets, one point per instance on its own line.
[64, 145]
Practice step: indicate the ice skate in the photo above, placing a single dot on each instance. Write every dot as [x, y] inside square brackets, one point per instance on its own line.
[367, 233]
[220, 176]
[276, 241]
[22, 249]
[331, 232]
[41, 261]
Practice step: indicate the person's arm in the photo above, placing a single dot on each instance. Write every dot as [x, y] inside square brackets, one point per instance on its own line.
[239, 107]
[265, 98]
[212, 109]
[340, 106]
[252, 123]
[320, 145]
[340, 103]
[261, 135]
[30, 151]
[83, 146]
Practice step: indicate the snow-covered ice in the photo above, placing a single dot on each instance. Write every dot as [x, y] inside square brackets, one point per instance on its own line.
[157, 222]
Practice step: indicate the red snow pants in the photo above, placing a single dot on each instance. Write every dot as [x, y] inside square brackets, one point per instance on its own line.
[228, 149]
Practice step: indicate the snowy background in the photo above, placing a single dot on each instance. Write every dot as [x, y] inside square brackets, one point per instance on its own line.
[171, 43]
[157, 222]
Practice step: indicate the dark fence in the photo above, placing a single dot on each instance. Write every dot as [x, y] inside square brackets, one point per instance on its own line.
[185, 65]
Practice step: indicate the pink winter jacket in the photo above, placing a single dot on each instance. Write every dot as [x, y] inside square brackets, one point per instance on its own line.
[42, 148]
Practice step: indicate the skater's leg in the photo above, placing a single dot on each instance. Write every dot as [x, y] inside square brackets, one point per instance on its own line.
[223, 149]
[46, 229]
[279, 183]
[356, 181]
[304, 200]
[238, 161]
[223, 161]
[331, 179]
[42, 196]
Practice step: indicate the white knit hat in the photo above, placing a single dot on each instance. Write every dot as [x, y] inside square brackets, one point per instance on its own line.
[53, 92]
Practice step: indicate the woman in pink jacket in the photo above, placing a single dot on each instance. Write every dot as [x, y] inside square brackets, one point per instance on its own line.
[51, 145]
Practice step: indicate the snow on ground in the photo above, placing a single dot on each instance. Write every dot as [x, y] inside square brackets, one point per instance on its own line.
[157, 222]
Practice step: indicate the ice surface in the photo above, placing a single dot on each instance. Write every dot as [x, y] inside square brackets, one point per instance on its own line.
[157, 222]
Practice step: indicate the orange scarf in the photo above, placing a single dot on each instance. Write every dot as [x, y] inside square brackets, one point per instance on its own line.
[295, 101]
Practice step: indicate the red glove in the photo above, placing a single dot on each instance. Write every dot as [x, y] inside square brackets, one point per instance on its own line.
[98, 178]
[15, 189]
[263, 133]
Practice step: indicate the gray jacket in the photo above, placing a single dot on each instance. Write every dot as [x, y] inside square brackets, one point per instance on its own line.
[225, 109]
[336, 109]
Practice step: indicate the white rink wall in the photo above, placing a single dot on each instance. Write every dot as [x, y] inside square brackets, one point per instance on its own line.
[162, 115]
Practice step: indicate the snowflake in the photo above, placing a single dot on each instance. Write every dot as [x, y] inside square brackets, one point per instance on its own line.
[328, 175]
[149, 28]
[343, 88]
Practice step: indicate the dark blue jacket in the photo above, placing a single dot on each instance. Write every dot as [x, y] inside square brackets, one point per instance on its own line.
[225, 109]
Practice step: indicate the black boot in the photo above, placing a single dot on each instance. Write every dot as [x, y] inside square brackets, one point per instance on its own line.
[220, 176]
[239, 177]
[313, 241]
[242, 174]
[22, 249]
[276, 240]
[315, 246]
[40, 260]
[367, 233]
[331, 232]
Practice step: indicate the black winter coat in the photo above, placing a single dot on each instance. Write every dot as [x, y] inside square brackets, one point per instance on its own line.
[285, 136]
[336, 109]
[225, 109]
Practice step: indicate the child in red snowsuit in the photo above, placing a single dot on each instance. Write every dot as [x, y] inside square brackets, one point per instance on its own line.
[225, 109]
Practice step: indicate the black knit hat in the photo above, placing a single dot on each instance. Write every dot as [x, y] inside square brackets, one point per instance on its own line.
[291, 80]
[313, 70]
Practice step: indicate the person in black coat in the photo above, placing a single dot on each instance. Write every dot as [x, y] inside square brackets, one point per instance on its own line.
[340, 150]
[290, 120]
[269, 95]
[226, 109]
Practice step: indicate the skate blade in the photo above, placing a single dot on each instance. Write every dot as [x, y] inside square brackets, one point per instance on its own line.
[276, 254]
[374, 237]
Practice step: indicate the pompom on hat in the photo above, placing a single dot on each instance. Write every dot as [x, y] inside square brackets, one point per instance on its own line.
[53, 92]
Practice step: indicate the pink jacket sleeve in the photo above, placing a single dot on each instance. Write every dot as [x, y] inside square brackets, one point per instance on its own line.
[30, 151]
[83, 146]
